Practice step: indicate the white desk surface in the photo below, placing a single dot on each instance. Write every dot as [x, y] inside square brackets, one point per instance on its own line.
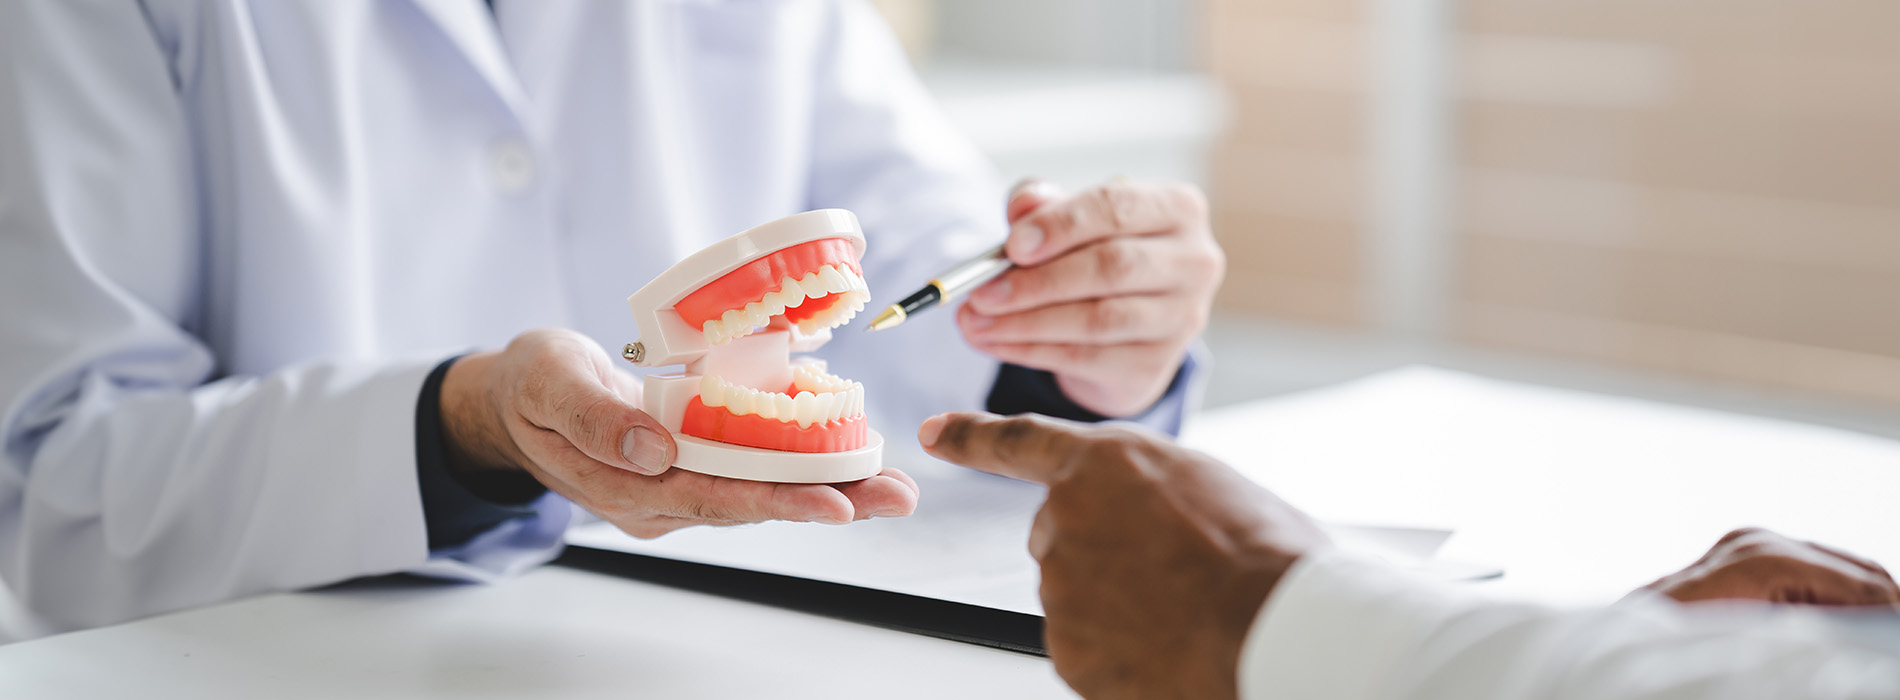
[553, 633]
[1579, 497]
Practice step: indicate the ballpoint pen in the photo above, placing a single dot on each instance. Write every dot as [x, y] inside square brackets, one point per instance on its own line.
[953, 283]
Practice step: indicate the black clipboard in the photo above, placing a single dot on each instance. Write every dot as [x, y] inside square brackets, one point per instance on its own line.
[961, 622]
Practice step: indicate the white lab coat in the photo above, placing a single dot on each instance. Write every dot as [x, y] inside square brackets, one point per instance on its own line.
[236, 234]
[1337, 628]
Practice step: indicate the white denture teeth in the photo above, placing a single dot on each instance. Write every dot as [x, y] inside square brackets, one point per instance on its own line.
[834, 282]
[814, 285]
[821, 398]
[840, 281]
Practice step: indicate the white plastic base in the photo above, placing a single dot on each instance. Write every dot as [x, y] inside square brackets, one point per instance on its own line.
[754, 464]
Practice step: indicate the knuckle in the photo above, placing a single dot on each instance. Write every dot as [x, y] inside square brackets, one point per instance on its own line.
[1120, 204]
[704, 511]
[1067, 654]
[1028, 288]
[591, 420]
[1078, 354]
[1188, 199]
[1121, 436]
[1116, 263]
[1108, 448]
[543, 344]
[530, 342]
[1013, 435]
[1109, 316]
[1058, 223]
[1209, 264]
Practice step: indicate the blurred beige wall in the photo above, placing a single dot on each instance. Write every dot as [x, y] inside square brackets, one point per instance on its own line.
[1287, 185]
[1705, 187]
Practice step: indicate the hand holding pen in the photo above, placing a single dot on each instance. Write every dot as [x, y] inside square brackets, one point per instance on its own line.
[1106, 289]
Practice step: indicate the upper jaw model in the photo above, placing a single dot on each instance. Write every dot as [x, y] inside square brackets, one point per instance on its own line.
[733, 314]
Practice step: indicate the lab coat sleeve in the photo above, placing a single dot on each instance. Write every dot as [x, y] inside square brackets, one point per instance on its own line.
[133, 480]
[927, 199]
[1345, 629]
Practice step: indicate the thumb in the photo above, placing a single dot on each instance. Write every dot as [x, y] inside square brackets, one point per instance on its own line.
[1028, 195]
[607, 428]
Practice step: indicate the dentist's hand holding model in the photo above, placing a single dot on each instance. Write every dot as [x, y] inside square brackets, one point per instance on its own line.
[552, 405]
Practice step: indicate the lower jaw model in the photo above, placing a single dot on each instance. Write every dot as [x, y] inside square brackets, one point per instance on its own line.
[734, 314]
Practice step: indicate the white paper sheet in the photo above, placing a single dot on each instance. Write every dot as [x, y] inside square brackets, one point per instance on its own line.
[966, 543]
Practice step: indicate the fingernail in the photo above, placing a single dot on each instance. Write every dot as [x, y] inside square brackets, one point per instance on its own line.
[1038, 187]
[978, 320]
[645, 450]
[888, 513]
[996, 292]
[1027, 237]
[932, 428]
[828, 520]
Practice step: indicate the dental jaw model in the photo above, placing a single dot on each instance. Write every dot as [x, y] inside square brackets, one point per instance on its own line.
[733, 314]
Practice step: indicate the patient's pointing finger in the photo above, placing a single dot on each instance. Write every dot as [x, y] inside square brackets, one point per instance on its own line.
[1030, 448]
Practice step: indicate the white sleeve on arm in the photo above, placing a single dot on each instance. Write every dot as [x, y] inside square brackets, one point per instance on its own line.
[128, 485]
[1343, 629]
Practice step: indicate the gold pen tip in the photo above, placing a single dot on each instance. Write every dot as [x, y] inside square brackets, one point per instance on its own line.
[891, 317]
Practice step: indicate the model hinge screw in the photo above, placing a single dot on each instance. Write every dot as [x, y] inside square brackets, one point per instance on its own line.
[634, 352]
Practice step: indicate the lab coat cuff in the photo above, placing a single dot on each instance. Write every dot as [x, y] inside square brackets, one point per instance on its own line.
[508, 549]
[389, 525]
[1335, 627]
[455, 509]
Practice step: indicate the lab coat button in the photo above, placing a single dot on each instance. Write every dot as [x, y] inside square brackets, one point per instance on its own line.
[511, 165]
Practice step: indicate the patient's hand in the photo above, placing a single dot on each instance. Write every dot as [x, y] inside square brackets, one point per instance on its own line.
[1155, 558]
[553, 404]
[1756, 564]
